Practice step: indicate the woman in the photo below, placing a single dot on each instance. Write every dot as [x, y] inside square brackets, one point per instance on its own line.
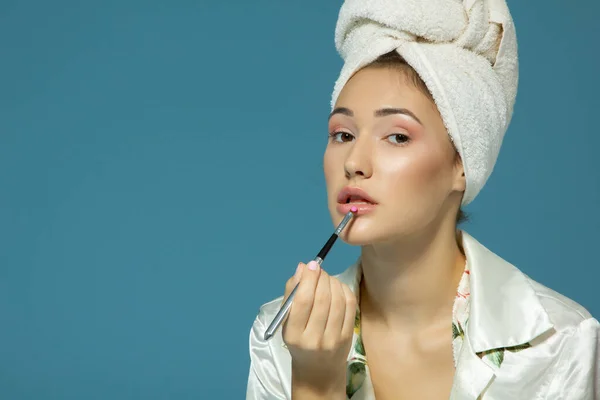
[427, 312]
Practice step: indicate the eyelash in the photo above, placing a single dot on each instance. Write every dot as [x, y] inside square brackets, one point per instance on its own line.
[333, 135]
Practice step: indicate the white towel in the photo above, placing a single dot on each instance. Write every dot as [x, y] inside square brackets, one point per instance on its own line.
[465, 52]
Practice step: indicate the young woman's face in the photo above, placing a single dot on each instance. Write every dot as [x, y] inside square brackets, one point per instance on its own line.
[388, 139]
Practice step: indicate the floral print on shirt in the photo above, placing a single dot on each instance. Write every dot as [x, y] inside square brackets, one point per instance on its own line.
[357, 363]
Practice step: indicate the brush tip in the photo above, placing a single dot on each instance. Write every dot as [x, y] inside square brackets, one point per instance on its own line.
[354, 209]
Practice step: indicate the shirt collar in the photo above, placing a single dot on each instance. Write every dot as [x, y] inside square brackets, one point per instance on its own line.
[504, 308]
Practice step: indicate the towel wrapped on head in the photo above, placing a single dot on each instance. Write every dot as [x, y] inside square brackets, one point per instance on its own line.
[464, 51]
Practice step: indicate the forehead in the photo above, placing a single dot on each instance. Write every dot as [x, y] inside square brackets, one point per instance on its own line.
[374, 88]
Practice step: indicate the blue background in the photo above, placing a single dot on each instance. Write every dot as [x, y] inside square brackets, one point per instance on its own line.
[152, 155]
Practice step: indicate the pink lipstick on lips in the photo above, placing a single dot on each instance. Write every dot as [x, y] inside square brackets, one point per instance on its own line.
[350, 197]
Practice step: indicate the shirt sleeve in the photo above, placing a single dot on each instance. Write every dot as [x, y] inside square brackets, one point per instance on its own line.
[579, 377]
[264, 381]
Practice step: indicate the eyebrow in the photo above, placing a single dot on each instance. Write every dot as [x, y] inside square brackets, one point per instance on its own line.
[382, 112]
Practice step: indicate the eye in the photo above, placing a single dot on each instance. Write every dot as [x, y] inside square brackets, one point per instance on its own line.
[341, 137]
[398, 138]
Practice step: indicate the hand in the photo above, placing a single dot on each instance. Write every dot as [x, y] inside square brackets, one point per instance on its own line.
[318, 330]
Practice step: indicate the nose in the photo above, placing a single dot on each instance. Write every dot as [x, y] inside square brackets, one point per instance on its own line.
[358, 160]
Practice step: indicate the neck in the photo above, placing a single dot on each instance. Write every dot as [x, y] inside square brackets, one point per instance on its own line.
[412, 282]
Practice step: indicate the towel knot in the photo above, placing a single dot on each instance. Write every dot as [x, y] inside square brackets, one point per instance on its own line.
[471, 24]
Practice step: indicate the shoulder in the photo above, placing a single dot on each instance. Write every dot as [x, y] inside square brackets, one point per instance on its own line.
[565, 313]
[270, 361]
[263, 319]
[527, 306]
[268, 310]
[576, 345]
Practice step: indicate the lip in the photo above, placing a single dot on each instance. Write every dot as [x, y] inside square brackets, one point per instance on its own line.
[363, 208]
[354, 191]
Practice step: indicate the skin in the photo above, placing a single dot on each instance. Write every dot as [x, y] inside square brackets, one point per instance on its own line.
[410, 247]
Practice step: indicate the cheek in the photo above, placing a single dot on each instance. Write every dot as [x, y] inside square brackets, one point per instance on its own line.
[331, 168]
[419, 170]
[327, 165]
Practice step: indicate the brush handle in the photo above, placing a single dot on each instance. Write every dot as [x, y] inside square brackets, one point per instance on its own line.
[285, 308]
[283, 311]
[326, 248]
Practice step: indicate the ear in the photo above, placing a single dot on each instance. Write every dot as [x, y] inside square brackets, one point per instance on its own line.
[460, 180]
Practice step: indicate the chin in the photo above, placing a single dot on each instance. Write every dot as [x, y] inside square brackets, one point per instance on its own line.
[370, 237]
[373, 229]
[361, 231]
[357, 240]
[363, 236]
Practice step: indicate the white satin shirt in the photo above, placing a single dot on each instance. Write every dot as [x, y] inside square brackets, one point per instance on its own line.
[548, 344]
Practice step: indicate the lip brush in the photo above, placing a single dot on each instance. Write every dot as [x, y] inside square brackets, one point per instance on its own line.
[285, 308]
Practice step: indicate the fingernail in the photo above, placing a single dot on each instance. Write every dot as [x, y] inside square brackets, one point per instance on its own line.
[313, 265]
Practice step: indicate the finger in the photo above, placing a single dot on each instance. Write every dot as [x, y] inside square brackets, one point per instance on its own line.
[350, 314]
[303, 299]
[315, 328]
[337, 314]
[293, 281]
[298, 273]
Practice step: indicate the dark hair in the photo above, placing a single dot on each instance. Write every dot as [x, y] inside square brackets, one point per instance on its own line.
[462, 217]
[395, 60]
